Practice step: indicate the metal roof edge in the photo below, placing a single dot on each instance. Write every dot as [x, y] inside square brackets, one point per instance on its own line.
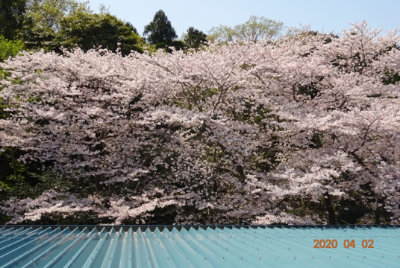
[169, 227]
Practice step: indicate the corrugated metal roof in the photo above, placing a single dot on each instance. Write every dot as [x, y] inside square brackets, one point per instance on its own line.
[189, 246]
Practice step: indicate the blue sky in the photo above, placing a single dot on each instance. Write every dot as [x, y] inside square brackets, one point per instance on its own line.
[321, 15]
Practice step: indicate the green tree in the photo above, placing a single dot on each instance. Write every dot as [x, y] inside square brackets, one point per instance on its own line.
[87, 31]
[43, 21]
[51, 24]
[9, 48]
[255, 29]
[160, 31]
[11, 17]
[195, 38]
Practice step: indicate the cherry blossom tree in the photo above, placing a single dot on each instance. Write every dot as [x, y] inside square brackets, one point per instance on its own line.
[293, 131]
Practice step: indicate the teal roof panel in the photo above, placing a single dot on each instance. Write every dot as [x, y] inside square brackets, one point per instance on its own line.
[198, 246]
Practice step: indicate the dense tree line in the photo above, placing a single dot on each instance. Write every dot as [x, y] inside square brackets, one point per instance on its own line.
[52, 24]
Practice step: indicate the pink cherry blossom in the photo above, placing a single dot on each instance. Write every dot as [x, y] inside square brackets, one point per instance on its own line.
[232, 133]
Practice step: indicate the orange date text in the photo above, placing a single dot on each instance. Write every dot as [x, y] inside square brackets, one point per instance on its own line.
[347, 243]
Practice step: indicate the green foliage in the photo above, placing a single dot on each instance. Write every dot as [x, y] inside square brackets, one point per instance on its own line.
[27, 179]
[87, 31]
[255, 29]
[9, 48]
[51, 24]
[195, 38]
[160, 30]
[176, 44]
[11, 17]
[43, 21]
[47, 14]
[222, 33]
[10, 169]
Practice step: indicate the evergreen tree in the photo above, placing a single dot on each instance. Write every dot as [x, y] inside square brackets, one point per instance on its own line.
[194, 38]
[11, 17]
[160, 30]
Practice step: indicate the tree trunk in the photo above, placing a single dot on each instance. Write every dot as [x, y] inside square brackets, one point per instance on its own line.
[329, 209]
[378, 211]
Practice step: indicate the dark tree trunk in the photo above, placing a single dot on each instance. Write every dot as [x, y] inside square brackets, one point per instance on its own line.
[378, 211]
[329, 209]
[377, 216]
